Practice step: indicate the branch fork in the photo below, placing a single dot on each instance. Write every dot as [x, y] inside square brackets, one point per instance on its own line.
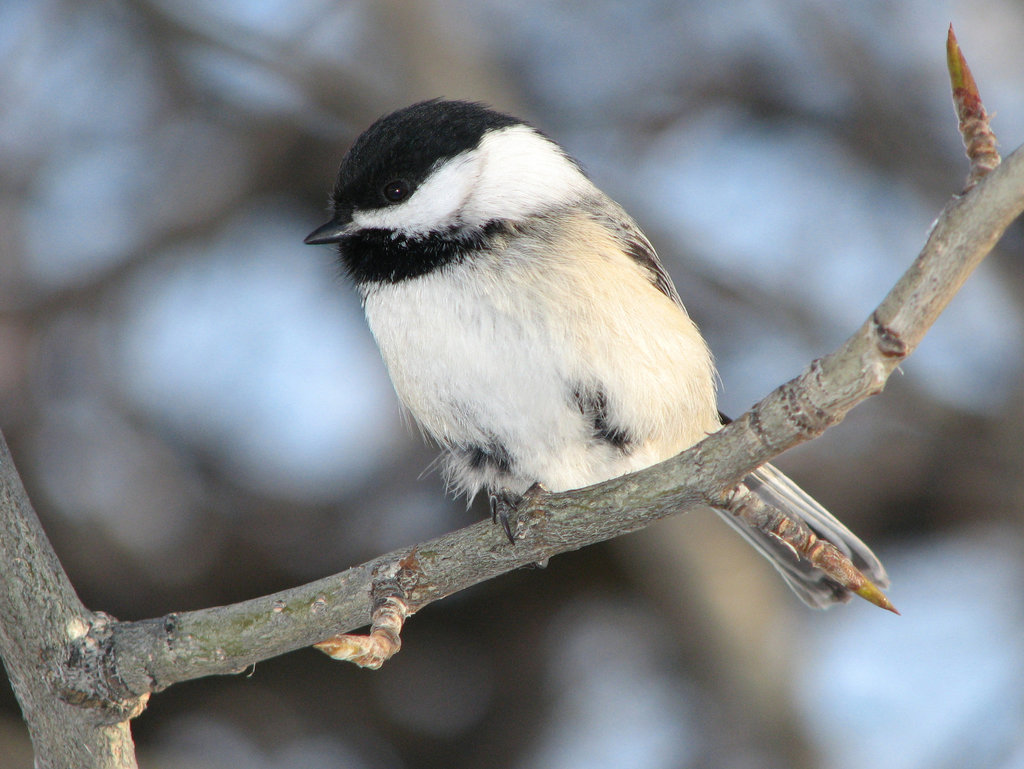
[391, 599]
[979, 140]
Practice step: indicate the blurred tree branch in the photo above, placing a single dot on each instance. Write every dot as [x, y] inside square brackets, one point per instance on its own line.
[81, 676]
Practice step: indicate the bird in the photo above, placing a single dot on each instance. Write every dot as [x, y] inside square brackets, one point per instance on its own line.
[527, 323]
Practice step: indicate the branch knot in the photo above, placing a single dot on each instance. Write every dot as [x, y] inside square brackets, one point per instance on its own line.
[87, 674]
[889, 341]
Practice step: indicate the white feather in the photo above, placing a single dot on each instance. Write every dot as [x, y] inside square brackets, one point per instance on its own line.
[489, 350]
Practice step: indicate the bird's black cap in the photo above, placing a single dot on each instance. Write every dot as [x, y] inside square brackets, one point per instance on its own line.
[383, 167]
[408, 144]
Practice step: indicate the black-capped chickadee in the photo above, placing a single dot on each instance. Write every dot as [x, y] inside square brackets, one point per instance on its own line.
[526, 321]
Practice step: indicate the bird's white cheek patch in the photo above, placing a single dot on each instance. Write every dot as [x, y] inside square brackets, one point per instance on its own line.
[521, 173]
[435, 205]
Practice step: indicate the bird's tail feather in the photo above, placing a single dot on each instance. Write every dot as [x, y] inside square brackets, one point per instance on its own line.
[812, 586]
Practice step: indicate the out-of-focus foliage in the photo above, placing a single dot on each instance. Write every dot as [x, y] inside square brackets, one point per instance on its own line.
[201, 416]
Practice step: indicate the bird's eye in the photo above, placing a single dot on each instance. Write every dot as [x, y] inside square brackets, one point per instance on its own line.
[396, 191]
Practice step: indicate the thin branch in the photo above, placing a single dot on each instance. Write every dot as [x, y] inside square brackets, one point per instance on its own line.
[979, 141]
[153, 654]
[804, 543]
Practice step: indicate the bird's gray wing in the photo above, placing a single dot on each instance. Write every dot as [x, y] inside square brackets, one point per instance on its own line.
[639, 248]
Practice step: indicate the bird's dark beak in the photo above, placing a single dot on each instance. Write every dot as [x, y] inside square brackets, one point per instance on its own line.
[332, 232]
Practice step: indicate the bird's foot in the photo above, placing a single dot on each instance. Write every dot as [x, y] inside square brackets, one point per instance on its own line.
[504, 504]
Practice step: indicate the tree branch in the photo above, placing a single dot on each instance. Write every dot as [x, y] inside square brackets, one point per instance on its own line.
[153, 654]
[73, 718]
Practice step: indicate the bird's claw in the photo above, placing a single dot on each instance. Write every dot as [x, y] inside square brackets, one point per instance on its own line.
[505, 502]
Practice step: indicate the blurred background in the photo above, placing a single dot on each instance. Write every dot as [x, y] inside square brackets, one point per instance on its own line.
[201, 416]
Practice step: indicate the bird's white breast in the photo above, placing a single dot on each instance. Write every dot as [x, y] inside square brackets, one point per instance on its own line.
[489, 350]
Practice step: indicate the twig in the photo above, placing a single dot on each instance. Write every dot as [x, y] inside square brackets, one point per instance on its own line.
[390, 597]
[979, 141]
[804, 543]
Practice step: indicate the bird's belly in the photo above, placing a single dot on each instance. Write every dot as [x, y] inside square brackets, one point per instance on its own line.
[487, 387]
[517, 396]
